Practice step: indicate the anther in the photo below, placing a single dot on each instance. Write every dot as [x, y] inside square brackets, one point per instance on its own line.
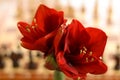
[33, 27]
[86, 59]
[78, 78]
[90, 53]
[84, 52]
[34, 20]
[92, 59]
[81, 51]
[28, 29]
[85, 48]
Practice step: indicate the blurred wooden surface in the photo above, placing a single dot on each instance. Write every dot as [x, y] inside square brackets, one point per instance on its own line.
[35, 76]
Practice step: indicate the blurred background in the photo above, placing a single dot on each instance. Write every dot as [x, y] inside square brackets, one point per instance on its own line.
[17, 63]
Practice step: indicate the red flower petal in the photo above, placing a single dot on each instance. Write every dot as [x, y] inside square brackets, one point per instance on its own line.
[58, 40]
[23, 27]
[97, 41]
[65, 67]
[29, 34]
[40, 44]
[48, 19]
[40, 34]
[76, 36]
[97, 67]
[77, 32]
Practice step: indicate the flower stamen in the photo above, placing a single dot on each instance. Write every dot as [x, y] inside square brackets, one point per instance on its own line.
[84, 52]
[34, 20]
[86, 59]
[78, 78]
[27, 28]
[85, 48]
[33, 27]
[81, 51]
[90, 53]
[92, 59]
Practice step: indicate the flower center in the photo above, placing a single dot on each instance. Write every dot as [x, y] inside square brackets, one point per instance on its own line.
[88, 54]
[83, 50]
[33, 26]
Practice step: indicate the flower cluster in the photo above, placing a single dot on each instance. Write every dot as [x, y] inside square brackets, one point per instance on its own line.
[72, 49]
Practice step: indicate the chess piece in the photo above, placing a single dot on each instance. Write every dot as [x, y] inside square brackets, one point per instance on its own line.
[82, 11]
[109, 17]
[117, 59]
[19, 52]
[19, 10]
[2, 64]
[31, 64]
[3, 49]
[15, 59]
[95, 13]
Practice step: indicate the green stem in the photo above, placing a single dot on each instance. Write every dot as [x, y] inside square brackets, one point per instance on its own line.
[58, 75]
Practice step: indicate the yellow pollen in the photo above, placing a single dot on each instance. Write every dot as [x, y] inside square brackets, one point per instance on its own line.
[90, 53]
[85, 48]
[33, 27]
[84, 52]
[34, 20]
[28, 29]
[92, 59]
[86, 59]
[80, 51]
[78, 78]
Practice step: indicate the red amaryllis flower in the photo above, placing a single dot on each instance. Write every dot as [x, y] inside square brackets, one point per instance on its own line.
[39, 35]
[80, 51]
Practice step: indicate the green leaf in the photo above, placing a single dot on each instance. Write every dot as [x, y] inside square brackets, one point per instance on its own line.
[51, 62]
[58, 75]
